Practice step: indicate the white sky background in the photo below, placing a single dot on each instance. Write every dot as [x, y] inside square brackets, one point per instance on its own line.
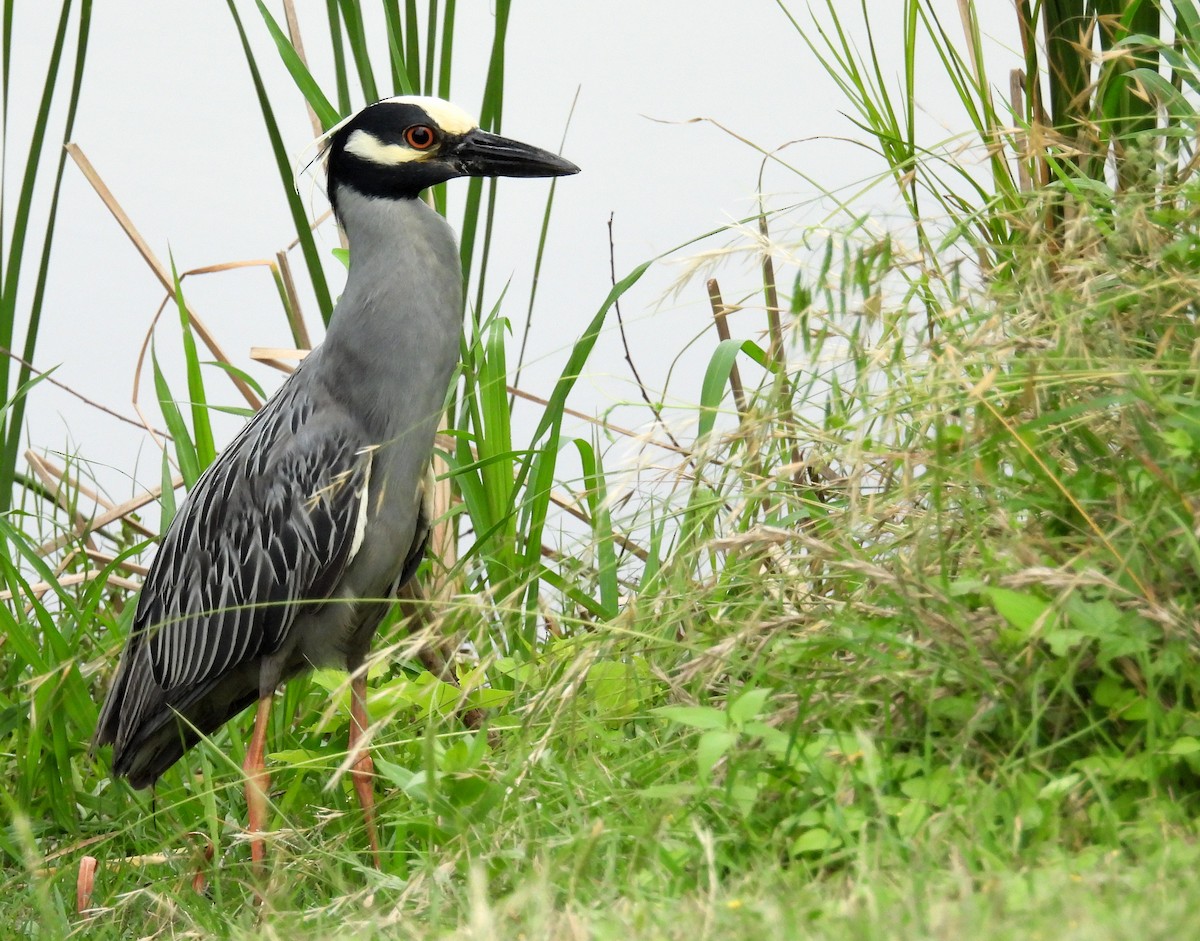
[170, 121]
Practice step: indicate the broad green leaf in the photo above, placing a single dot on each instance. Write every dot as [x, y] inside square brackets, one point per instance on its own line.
[716, 378]
[748, 706]
[696, 717]
[816, 840]
[711, 747]
[1022, 611]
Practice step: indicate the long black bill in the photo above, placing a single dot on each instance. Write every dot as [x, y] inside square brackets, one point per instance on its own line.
[484, 154]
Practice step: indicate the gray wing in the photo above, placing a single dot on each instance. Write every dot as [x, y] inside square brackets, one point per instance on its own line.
[269, 527]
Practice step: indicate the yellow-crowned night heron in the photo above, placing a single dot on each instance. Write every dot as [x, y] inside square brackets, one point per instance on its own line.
[283, 553]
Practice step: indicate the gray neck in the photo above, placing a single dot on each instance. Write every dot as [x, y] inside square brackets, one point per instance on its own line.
[394, 336]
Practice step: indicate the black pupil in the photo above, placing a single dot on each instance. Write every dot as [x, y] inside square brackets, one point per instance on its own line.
[420, 137]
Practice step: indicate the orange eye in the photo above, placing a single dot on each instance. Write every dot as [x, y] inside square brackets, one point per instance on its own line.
[420, 137]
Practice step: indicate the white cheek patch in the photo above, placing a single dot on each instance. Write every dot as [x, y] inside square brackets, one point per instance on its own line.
[449, 117]
[367, 146]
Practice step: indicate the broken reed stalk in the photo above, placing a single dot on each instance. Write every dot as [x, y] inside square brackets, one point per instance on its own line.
[776, 355]
[291, 302]
[293, 28]
[720, 313]
[37, 589]
[109, 516]
[156, 266]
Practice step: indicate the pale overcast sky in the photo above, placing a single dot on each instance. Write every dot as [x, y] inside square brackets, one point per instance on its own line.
[169, 120]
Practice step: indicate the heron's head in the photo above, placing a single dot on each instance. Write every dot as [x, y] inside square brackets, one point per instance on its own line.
[398, 147]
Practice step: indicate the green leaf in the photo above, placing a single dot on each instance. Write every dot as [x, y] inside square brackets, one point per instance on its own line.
[167, 499]
[613, 687]
[303, 757]
[237, 373]
[1022, 611]
[696, 717]
[1184, 745]
[748, 706]
[716, 378]
[711, 748]
[1059, 787]
[816, 840]
[602, 532]
[911, 816]
[933, 788]
[671, 791]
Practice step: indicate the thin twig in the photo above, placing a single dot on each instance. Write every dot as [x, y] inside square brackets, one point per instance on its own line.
[82, 398]
[1016, 94]
[270, 356]
[606, 425]
[624, 541]
[776, 355]
[612, 269]
[771, 296]
[273, 356]
[316, 223]
[537, 261]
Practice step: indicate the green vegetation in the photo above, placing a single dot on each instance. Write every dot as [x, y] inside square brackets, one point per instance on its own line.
[904, 645]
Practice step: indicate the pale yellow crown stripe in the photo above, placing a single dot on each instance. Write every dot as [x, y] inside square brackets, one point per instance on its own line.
[449, 117]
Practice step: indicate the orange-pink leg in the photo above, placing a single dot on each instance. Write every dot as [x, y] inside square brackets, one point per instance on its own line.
[85, 883]
[362, 768]
[200, 879]
[258, 780]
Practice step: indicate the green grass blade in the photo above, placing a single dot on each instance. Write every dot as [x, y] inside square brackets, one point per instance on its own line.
[495, 434]
[541, 247]
[447, 55]
[202, 436]
[327, 114]
[10, 269]
[33, 323]
[185, 450]
[412, 42]
[582, 350]
[395, 34]
[341, 76]
[602, 531]
[431, 33]
[166, 501]
[283, 164]
[357, 38]
[16, 250]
